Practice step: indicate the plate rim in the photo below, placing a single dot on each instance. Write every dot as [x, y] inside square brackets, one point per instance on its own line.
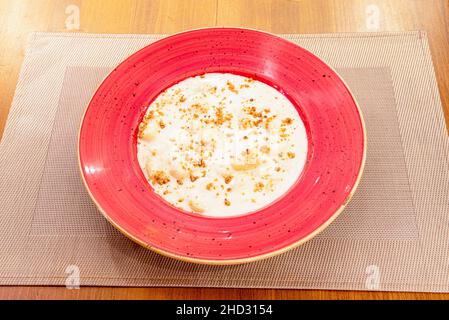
[238, 260]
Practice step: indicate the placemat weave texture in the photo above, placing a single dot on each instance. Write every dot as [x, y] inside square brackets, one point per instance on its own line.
[394, 235]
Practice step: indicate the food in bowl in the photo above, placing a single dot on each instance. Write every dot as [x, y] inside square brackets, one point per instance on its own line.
[221, 144]
[114, 178]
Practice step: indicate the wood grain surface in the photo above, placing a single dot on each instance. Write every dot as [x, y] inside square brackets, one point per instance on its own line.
[19, 18]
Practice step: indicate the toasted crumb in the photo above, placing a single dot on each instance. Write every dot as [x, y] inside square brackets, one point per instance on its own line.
[231, 87]
[220, 117]
[159, 177]
[149, 116]
[245, 123]
[258, 187]
[143, 126]
[252, 111]
[291, 155]
[228, 178]
[199, 108]
[287, 121]
[193, 178]
[200, 163]
[227, 202]
[268, 122]
[210, 186]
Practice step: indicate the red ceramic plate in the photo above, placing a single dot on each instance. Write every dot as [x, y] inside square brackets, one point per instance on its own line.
[111, 173]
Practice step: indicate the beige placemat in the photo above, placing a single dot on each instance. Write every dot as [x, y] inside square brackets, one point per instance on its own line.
[393, 236]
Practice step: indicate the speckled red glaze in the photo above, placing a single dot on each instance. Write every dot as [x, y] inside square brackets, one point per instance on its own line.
[107, 146]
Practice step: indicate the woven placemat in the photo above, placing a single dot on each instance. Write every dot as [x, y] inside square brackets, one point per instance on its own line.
[393, 236]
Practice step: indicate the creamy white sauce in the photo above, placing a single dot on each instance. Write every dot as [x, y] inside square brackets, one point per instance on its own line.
[221, 145]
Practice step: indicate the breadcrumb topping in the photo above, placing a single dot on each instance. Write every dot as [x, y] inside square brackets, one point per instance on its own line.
[190, 123]
[159, 177]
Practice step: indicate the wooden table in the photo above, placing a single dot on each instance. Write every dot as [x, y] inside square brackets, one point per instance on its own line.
[18, 18]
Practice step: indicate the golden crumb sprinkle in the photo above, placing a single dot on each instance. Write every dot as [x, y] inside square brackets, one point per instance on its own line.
[193, 178]
[182, 99]
[287, 121]
[227, 178]
[231, 87]
[149, 116]
[181, 200]
[227, 202]
[210, 186]
[245, 123]
[291, 155]
[200, 163]
[220, 117]
[143, 125]
[199, 108]
[268, 121]
[258, 187]
[161, 124]
[253, 112]
[159, 177]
